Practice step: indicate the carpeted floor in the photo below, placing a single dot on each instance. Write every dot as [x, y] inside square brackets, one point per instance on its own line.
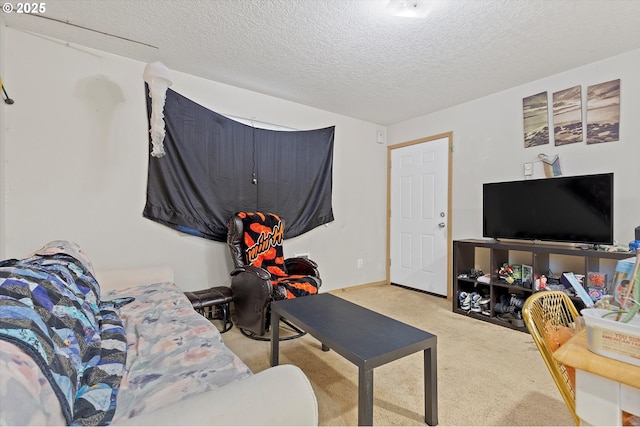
[487, 374]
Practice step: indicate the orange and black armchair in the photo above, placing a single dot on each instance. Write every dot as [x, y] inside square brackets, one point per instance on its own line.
[261, 274]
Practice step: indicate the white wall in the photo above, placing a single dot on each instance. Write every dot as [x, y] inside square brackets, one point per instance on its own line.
[76, 150]
[488, 144]
[3, 167]
[75, 161]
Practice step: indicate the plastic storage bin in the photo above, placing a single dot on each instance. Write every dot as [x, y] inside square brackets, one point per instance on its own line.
[607, 337]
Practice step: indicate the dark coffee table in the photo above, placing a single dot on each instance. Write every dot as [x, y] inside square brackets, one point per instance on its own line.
[365, 338]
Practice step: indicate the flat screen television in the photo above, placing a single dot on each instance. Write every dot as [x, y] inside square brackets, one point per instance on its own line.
[577, 209]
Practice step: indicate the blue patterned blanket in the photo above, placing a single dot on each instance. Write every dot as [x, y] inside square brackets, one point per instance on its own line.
[50, 307]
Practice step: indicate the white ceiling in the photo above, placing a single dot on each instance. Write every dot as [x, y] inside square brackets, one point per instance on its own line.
[352, 57]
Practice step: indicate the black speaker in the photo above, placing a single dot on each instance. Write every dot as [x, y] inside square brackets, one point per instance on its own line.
[638, 232]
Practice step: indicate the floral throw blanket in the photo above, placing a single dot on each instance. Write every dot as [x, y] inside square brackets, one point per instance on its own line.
[172, 351]
[50, 307]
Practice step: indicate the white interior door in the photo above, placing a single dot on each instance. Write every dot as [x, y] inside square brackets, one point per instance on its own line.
[418, 218]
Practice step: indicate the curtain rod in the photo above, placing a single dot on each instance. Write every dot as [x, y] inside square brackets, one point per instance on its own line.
[95, 31]
[259, 124]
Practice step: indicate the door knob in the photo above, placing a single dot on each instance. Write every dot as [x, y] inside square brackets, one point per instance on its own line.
[441, 225]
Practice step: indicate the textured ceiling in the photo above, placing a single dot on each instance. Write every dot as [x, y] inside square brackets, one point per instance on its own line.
[352, 57]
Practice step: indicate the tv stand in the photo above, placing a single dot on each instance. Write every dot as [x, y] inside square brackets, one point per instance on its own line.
[587, 247]
[489, 255]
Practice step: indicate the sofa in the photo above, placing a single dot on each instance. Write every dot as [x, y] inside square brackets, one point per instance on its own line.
[125, 347]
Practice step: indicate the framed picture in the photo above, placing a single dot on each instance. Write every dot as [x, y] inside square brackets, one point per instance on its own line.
[603, 112]
[536, 120]
[567, 116]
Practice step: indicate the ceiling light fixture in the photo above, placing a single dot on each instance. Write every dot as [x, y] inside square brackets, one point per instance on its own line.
[408, 8]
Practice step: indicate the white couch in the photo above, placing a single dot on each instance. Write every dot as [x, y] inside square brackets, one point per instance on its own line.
[206, 384]
[243, 402]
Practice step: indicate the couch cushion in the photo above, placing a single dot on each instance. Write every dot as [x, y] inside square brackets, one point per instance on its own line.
[172, 351]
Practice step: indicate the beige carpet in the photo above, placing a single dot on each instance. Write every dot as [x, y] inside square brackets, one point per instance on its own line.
[487, 374]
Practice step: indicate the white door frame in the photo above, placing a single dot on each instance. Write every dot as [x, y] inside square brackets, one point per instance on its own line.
[449, 136]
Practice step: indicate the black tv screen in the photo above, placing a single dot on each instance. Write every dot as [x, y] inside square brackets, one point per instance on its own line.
[576, 209]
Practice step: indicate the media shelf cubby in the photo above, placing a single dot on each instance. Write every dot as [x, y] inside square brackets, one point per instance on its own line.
[489, 256]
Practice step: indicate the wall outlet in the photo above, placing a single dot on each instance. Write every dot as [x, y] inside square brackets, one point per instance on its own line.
[360, 262]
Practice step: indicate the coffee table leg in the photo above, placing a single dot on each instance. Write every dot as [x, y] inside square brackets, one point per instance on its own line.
[275, 337]
[431, 386]
[365, 397]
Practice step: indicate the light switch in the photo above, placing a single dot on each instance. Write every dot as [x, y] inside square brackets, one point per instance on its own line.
[528, 169]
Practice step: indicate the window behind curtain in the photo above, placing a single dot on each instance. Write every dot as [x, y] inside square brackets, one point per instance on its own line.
[215, 166]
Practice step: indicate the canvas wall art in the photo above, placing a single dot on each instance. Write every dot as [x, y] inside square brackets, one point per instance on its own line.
[567, 116]
[603, 112]
[536, 120]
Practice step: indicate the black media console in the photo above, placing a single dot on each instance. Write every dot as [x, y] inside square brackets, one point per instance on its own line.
[489, 255]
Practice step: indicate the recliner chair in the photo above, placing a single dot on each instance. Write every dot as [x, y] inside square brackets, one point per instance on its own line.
[261, 273]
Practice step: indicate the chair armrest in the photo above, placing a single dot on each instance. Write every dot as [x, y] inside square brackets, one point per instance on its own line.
[243, 403]
[260, 273]
[303, 266]
[251, 288]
